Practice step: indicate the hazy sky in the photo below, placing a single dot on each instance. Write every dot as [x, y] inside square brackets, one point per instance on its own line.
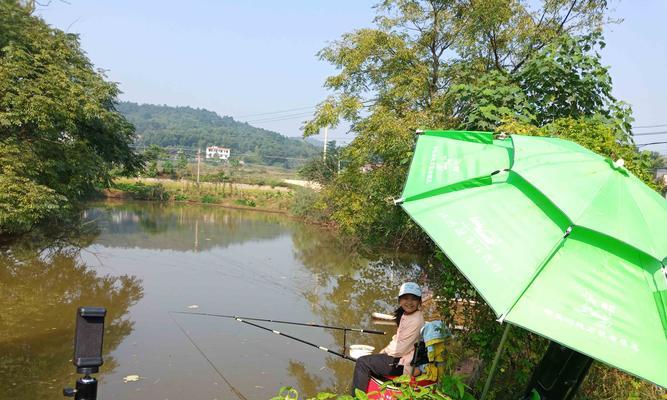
[243, 58]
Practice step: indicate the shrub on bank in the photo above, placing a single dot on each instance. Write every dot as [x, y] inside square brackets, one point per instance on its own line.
[246, 202]
[309, 205]
[208, 199]
[142, 191]
[180, 197]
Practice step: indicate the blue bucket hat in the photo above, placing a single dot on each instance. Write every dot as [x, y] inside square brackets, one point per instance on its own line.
[410, 288]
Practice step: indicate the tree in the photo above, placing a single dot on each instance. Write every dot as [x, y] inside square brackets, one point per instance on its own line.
[152, 155]
[320, 170]
[168, 169]
[57, 114]
[181, 163]
[405, 75]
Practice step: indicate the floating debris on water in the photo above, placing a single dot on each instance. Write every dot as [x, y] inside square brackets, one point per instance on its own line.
[131, 378]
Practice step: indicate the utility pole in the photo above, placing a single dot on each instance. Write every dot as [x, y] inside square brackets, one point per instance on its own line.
[198, 162]
[326, 134]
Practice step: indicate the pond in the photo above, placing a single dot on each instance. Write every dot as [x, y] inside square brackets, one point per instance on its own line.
[143, 260]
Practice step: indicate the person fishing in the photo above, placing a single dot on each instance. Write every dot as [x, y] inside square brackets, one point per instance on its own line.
[393, 359]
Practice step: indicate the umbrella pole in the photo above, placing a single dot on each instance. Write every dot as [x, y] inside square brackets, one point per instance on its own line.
[499, 351]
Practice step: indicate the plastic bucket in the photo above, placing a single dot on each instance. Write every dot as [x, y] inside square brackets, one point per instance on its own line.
[358, 350]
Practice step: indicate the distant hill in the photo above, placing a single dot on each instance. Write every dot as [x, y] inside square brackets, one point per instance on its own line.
[192, 128]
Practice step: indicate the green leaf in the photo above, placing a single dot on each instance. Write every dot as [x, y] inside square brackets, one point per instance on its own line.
[360, 395]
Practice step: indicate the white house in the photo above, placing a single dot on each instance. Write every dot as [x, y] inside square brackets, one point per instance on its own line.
[221, 153]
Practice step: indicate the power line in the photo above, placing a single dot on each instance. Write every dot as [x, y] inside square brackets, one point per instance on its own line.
[649, 133]
[649, 126]
[280, 118]
[365, 104]
[649, 144]
[276, 112]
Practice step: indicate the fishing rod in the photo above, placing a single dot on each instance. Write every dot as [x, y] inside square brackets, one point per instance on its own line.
[285, 322]
[297, 339]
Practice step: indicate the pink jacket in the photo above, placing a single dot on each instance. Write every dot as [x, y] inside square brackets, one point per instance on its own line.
[403, 342]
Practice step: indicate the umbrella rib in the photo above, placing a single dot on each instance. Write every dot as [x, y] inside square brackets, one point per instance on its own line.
[479, 181]
[543, 264]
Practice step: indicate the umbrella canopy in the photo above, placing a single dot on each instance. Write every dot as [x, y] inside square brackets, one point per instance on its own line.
[557, 239]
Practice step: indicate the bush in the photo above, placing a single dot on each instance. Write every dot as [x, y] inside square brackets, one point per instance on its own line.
[142, 191]
[309, 204]
[208, 198]
[246, 202]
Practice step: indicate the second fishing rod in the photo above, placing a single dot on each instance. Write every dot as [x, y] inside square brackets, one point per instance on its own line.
[284, 322]
[312, 325]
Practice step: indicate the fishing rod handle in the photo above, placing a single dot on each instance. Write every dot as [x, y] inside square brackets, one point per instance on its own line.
[366, 331]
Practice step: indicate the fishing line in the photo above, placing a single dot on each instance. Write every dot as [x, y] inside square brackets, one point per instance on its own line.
[235, 390]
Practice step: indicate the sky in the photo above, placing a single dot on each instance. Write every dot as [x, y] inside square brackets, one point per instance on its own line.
[255, 60]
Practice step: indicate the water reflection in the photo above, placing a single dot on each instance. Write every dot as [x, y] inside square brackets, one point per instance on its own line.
[179, 227]
[40, 290]
[141, 260]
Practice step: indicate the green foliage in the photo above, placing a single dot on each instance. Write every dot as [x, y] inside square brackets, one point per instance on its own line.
[198, 128]
[58, 112]
[309, 205]
[563, 80]
[208, 198]
[487, 101]
[154, 153]
[322, 171]
[23, 201]
[182, 162]
[180, 197]
[218, 177]
[450, 388]
[567, 80]
[604, 382]
[141, 191]
[168, 169]
[246, 202]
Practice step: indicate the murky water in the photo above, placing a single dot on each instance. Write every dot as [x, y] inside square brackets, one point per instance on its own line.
[142, 260]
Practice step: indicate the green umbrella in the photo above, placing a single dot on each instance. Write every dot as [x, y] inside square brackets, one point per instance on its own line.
[557, 240]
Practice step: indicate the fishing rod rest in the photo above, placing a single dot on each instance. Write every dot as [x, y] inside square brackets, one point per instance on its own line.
[87, 358]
